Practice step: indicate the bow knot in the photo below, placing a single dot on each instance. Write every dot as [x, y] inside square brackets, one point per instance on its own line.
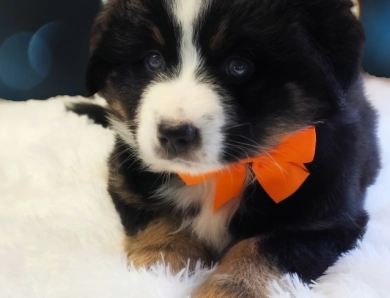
[280, 172]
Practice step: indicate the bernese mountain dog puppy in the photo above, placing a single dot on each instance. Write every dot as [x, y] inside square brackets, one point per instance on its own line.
[244, 137]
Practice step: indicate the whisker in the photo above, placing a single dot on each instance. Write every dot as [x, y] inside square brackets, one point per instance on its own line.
[239, 125]
[252, 141]
[236, 149]
[245, 150]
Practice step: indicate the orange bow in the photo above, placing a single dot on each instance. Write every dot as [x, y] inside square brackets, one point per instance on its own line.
[280, 172]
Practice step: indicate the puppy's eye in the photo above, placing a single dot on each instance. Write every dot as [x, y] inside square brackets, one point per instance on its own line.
[238, 67]
[155, 61]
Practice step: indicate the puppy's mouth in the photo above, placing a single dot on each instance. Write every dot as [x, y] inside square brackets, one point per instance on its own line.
[174, 156]
[180, 165]
[188, 162]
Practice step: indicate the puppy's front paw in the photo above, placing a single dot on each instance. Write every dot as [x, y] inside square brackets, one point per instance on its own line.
[224, 286]
[160, 243]
[148, 257]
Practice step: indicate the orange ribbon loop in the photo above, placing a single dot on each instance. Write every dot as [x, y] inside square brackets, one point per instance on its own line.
[281, 171]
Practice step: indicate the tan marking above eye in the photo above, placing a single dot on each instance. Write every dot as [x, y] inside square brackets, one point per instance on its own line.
[156, 34]
[219, 39]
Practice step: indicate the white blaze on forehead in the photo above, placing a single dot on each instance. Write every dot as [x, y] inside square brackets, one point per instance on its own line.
[186, 13]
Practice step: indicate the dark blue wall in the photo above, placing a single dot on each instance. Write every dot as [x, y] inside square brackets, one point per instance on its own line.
[375, 17]
[44, 47]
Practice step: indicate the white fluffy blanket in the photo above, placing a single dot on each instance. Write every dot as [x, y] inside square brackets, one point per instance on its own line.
[61, 237]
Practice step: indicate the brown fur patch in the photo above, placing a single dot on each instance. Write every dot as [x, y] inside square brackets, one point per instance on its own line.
[117, 182]
[243, 273]
[115, 104]
[156, 34]
[118, 110]
[160, 243]
[218, 41]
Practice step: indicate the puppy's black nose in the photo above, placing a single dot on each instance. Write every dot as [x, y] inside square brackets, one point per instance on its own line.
[177, 139]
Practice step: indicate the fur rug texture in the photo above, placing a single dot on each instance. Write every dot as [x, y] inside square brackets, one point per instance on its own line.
[61, 237]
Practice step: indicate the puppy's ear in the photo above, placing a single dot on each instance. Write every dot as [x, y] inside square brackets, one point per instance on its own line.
[98, 66]
[337, 35]
[96, 74]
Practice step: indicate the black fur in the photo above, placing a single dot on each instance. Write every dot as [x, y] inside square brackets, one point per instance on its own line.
[137, 214]
[98, 114]
[306, 57]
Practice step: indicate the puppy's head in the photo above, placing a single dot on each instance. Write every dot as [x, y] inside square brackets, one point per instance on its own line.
[194, 85]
